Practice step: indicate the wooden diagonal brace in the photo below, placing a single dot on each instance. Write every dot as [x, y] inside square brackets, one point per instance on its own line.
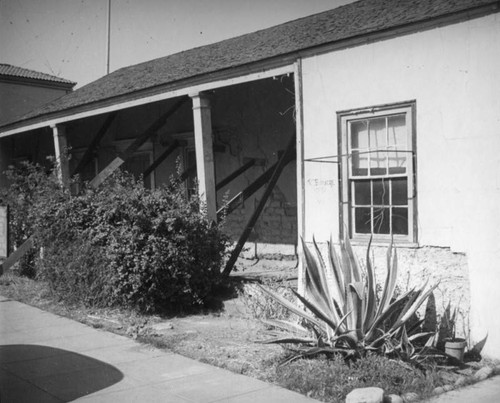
[89, 152]
[138, 142]
[284, 160]
[238, 199]
[235, 174]
[16, 255]
[161, 158]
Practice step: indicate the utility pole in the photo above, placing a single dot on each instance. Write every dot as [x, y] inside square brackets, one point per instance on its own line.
[108, 39]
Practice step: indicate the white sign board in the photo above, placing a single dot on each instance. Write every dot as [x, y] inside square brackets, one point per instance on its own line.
[3, 231]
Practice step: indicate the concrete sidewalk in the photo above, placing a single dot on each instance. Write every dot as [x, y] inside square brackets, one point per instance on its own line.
[487, 391]
[48, 358]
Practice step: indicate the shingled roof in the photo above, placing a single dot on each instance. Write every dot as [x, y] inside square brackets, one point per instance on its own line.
[7, 70]
[355, 20]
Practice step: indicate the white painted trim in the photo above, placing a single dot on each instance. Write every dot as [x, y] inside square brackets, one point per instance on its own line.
[157, 97]
[299, 130]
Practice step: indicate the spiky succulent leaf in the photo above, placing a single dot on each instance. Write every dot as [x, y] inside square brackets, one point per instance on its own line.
[353, 261]
[290, 306]
[286, 326]
[291, 340]
[318, 312]
[316, 286]
[371, 297]
[337, 273]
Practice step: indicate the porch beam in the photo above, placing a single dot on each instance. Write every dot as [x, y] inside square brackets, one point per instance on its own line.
[89, 152]
[61, 154]
[136, 144]
[161, 158]
[204, 153]
[283, 161]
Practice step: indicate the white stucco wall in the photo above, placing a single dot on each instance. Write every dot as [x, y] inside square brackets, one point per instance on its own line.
[453, 74]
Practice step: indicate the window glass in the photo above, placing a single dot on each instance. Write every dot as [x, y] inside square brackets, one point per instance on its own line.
[381, 192]
[400, 221]
[378, 151]
[362, 193]
[399, 191]
[381, 220]
[362, 218]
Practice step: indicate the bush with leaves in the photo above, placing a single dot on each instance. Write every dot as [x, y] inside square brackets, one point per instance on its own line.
[29, 184]
[122, 244]
[162, 250]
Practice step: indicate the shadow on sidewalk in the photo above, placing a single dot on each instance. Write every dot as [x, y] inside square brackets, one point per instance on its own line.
[27, 370]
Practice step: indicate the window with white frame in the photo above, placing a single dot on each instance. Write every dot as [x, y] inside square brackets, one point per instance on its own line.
[377, 193]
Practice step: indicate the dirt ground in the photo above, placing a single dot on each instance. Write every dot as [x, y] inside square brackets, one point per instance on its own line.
[229, 337]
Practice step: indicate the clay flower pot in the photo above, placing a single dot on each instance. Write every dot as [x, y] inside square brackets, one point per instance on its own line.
[455, 348]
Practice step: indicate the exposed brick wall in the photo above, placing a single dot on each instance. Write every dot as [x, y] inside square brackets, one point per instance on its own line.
[276, 224]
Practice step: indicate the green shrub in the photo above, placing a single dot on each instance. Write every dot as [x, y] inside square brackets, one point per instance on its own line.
[123, 244]
[28, 183]
[163, 251]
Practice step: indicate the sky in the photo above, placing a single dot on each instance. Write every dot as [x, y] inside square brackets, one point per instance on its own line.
[67, 38]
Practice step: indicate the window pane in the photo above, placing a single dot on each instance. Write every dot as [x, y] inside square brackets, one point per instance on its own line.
[378, 163]
[362, 193]
[362, 220]
[400, 191]
[378, 135]
[359, 134]
[398, 140]
[359, 164]
[397, 131]
[381, 192]
[397, 161]
[400, 221]
[381, 220]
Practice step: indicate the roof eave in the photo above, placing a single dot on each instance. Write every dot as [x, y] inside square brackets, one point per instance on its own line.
[181, 87]
[67, 86]
[248, 72]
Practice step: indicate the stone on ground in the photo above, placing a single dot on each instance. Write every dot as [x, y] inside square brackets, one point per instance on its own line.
[365, 395]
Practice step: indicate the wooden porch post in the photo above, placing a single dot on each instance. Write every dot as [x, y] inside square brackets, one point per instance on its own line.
[204, 153]
[299, 129]
[60, 147]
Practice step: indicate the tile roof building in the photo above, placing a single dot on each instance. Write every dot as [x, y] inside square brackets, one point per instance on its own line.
[22, 90]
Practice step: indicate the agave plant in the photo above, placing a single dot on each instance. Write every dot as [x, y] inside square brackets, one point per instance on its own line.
[341, 311]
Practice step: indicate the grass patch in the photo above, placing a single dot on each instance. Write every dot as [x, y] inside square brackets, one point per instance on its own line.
[332, 379]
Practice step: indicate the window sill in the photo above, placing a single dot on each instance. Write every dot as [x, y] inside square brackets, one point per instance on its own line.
[385, 243]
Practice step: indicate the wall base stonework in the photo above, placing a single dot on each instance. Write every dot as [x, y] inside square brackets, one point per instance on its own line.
[435, 265]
